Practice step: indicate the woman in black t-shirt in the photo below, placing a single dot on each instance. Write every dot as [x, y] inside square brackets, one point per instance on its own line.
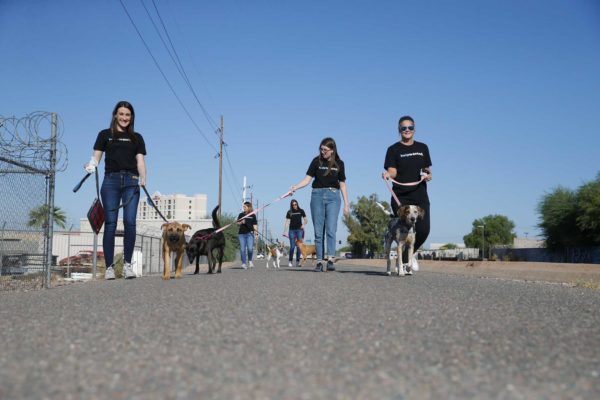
[124, 173]
[296, 218]
[246, 234]
[329, 175]
[407, 161]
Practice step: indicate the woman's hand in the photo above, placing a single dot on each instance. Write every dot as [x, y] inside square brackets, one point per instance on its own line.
[346, 209]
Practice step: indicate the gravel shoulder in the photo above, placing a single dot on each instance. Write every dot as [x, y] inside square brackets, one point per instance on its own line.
[571, 274]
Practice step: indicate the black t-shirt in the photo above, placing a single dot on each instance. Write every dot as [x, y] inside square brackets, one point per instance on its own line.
[247, 225]
[295, 217]
[120, 151]
[317, 169]
[408, 161]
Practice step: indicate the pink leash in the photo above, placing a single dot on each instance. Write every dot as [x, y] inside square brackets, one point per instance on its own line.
[402, 184]
[283, 196]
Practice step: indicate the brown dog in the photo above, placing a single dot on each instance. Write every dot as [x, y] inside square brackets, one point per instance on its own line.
[173, 241]
[306, 249]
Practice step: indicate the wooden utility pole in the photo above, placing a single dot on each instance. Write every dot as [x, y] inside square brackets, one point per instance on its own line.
[220, 166]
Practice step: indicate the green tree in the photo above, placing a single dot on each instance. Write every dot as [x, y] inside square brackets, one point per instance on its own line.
[448, 246]
[588, 216]
[366, 225]
[232, 243]
[499, 230]
[558, 219]
[38, 217]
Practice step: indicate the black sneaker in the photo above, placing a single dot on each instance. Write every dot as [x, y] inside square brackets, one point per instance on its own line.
[330, 266]
[319, 267]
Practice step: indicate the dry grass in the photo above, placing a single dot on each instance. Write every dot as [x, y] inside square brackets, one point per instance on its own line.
[588, 284]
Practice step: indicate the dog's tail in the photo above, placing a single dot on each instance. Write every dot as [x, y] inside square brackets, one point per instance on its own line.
[388, 212]
[215, 218]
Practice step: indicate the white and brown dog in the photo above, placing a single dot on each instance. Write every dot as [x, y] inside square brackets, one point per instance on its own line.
[275, 252]
[402, 231]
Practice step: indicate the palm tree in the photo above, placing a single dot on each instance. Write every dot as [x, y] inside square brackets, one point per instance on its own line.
[38, 217]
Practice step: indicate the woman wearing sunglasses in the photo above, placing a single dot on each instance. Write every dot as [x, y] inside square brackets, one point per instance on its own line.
[408, 161]
[329, 175]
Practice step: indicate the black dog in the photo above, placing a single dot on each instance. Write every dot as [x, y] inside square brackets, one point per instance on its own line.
[204, 242]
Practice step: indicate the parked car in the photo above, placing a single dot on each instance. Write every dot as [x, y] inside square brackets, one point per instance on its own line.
[348, 255]
[83, 257]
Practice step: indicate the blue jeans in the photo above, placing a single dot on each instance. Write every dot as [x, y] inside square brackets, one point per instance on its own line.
[295, 234]
[246, 245]
[325, 207]
[119, 187]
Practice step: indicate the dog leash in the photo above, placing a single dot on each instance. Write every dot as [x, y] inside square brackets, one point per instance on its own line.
[283, 196]
[401, 184]
[152, 204]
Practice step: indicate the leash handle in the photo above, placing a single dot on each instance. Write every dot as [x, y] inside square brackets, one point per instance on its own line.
[78, 186]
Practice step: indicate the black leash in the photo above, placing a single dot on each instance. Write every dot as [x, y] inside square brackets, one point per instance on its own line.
[154, 205]
[78, 186]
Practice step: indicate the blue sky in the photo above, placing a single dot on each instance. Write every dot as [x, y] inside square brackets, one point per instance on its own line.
[505, 94]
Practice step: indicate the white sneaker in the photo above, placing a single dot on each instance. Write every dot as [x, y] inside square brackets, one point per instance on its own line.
[109, 274]
[289, 264]
[128, 271]
[415, 264]
[251, 264]
[244, 266]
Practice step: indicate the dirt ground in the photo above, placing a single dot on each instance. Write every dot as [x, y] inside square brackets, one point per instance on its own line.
[572, 274]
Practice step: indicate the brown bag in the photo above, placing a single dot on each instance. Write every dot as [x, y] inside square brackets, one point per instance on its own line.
[96, 212]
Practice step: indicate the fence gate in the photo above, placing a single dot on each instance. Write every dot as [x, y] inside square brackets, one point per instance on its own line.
[30, 156]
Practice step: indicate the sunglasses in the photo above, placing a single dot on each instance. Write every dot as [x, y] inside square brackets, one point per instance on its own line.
[325, 149]
[405, 128]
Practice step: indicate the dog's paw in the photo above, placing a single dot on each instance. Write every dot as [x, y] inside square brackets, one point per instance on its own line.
[166, 278]
[388, 273]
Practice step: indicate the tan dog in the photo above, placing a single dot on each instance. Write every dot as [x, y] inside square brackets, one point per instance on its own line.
[173, 241]
[306, 249]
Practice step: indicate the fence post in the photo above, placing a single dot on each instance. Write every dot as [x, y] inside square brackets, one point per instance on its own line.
[51, 182]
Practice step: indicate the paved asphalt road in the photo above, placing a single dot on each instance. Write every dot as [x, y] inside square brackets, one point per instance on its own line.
[266, 334]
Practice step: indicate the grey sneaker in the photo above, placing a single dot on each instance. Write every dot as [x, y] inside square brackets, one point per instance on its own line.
[251, 264]
[319, 267]
[289, 264]
[330, 266]
[297, 264]
[109, 275]
[128, 271]
[244, 266]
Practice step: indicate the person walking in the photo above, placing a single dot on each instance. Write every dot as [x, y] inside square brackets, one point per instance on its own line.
[248, 230]
[329, 174]
[408, 161]
[296, 219]
[124, 173]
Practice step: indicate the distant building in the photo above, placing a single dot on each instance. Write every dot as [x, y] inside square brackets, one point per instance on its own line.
[526, 243]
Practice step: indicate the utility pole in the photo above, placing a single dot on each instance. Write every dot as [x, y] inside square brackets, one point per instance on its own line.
[220, 165]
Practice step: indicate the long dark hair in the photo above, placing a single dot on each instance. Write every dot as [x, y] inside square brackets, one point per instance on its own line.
[335, 157]
[292, 204]
[113, 122]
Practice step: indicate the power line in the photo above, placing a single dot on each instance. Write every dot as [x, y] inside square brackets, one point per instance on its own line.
[177, 62]
[165, 77]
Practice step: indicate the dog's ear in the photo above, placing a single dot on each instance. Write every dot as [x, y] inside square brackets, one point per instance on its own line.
[403, 211]
[162, 227]
[186, 227]
[421, 212]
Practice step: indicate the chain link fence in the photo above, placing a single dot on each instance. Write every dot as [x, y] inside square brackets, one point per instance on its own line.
[30, 156]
